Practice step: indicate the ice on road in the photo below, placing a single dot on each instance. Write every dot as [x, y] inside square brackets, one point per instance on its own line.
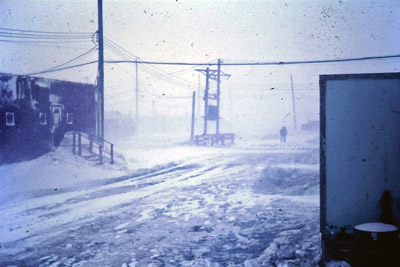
[249, 205]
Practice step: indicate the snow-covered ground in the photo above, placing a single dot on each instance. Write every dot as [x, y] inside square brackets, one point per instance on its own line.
[165, 203]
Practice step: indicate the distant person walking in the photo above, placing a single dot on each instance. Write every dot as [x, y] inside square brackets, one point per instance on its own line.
[283, 133]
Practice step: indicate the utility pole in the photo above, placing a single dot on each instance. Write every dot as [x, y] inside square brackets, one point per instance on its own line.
[294, 105]
[216, 76]
[198, 95]
[193, 108]
[206, 100]
[218, 93]
[137, 94]
[100, 83]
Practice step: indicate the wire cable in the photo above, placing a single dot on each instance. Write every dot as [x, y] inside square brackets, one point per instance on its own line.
[255, 63]
[227, 64]
[125, 54]
[46, 42]
[153, 73]
[67, 68]
[45, 32]
[43, 44]
[67, 62]
[34, 36]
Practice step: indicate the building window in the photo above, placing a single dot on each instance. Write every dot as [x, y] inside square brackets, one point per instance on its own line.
[69, 118]
[42, 118]
[10, 119]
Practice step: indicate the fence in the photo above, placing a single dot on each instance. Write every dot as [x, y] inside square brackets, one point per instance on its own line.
[82, 141]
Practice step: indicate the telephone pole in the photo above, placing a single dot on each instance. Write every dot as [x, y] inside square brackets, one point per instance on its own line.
[216, 76]
[193, 116]
[198, 95]
[100, 82]
[206, 100]
[218, 92]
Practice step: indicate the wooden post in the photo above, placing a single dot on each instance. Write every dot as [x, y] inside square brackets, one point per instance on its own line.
[112, 154]
[100, 81]
[91, 147]
[79, 144]
[198, 96]
[101, 154]
[218, 95]
[193, 109]
[206, 101]
[73, 143]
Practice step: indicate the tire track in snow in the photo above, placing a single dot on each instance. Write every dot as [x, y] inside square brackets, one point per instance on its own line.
[180, 216]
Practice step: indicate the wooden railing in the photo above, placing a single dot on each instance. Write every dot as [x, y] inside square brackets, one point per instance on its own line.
[82, 141]
[212, 139]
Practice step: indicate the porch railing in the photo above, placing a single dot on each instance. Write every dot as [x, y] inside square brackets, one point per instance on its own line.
[83, 142]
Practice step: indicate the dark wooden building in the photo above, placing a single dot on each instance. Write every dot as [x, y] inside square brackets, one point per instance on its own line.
[35, 113]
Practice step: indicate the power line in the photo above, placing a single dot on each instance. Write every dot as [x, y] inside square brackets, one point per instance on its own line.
[170, 77]
[122, 67]
[256, 63]
[159, 76]
[120, 48]
[115, 48]
[43, 36]
[182, 71]
[67, 62]
[45, 42]
[270, 85]
[228, 64]
[67, 68]
[42, 44]
[155, 72]
[45, 32]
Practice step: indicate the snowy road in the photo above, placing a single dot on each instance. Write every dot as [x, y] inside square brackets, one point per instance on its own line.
[233, 206]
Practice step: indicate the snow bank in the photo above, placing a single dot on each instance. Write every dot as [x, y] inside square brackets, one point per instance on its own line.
[290, 248]
[54, 171]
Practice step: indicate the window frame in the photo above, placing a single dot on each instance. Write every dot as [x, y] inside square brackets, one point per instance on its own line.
[70, 118]
[40, 118]
[13, 119]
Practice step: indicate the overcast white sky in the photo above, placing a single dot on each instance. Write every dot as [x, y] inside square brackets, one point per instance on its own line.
[203, 31]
